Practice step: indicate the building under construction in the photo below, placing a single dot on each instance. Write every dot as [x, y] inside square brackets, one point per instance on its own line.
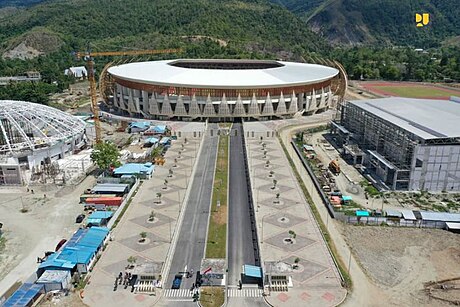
[404, 143]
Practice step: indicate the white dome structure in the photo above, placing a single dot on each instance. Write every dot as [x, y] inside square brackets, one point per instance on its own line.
[26, 126]
[33, 136]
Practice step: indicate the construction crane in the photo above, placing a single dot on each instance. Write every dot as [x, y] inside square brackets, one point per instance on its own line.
[88, 56]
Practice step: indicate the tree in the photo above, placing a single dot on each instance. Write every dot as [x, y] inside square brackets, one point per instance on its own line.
[152, 216]
[143, 236]
[159, 196]
[105, 155]
[271, 173]
[132, 260]
[274, 183]
[171, 172]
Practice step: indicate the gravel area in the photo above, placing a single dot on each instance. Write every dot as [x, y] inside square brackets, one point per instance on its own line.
[401, 260]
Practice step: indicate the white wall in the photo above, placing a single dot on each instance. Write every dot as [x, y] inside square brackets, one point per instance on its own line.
[440, 169]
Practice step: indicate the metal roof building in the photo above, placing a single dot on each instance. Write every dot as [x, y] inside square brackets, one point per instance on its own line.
[79, 252]
[143, 170]
[110, 188]
[204, 88]
[408, 144]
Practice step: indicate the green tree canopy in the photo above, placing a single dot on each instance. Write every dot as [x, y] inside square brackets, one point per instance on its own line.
[105, 155]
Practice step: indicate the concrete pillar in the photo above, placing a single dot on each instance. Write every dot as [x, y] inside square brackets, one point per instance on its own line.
[209, 108]
[194, 108]
[166, 108]
[281, 109]
[253, 107]
[268, 107]
[224, 111]
[180, 108]
[239, 108]
[293, 106]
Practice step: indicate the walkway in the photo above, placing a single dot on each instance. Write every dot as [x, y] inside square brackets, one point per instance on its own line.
[160, 231]
[287, 229]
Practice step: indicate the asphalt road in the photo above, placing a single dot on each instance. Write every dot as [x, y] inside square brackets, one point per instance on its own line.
[191, 241]
[240, 246]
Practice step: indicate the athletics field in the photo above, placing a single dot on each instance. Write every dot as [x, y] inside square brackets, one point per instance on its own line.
[409, 89]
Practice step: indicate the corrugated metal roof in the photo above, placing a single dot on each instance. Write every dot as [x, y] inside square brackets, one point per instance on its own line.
[151, 140]
[79, 249]
[53, 276]
[110, 187]
[101, 215]
[453, 225]
[252, 271]
[440, 216]
[24, 295]
[408, 214]
[134, 168]
[393, 213]
[426, 118]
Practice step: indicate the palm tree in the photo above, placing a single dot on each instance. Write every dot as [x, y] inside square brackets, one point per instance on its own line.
[274, 183]
[131, 260]
[175, 162]
[152, 216]
[143, 236]
[170, 172]
[271, 173]
[159, 197]
[267, 164]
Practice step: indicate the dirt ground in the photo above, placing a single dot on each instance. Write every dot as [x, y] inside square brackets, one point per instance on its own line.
[401, 260]
[28, 235]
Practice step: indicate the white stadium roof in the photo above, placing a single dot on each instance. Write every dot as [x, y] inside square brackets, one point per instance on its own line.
[222, 74]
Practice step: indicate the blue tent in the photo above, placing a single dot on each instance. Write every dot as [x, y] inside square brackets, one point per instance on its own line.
[139, 125]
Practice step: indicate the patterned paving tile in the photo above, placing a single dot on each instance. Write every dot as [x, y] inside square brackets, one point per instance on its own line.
[159, 220]
[284, 219]
[328, 296]
[165, 202]
[280, 188]
[283, 203]
[283, 297]
[306, 268]
[280, 241]
[152, 240]
[304, 296]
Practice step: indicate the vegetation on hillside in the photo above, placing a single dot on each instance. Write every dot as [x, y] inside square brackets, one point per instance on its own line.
[400, 63]
[383, 22]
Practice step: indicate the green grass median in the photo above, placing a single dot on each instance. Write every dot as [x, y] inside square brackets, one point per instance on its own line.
[217, 229]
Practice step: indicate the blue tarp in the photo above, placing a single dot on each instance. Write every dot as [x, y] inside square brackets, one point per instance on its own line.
[79, 249]
[101, 215]
[134, 168]
[361, 213]
[165, 140]
[151, 140]
[159, 129]
[25, 295]
[346, 198]
[252, 271]
[139, 125]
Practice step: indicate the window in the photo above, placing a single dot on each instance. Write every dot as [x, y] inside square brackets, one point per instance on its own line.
[418, 163]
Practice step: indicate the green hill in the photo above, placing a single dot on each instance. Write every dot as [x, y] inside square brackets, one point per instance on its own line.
[383, 22]
[250, 26]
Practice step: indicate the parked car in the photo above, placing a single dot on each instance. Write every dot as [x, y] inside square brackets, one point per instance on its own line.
[177, 281]
[80, 218]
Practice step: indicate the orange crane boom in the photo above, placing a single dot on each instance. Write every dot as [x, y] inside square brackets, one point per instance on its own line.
[88, 56]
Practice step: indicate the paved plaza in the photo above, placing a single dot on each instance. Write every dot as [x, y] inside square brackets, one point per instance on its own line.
[287, 229]
[160, 230]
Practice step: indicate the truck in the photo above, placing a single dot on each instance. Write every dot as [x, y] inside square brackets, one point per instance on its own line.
[334, 167]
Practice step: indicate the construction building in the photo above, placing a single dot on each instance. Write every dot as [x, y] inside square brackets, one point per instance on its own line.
[403, 143]
[33, 137]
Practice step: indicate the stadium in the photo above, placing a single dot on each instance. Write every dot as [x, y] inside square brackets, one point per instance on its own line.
[32, 136]
[221, 89]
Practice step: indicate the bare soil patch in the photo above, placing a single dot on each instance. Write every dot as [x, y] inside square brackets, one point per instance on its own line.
[402, 260]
